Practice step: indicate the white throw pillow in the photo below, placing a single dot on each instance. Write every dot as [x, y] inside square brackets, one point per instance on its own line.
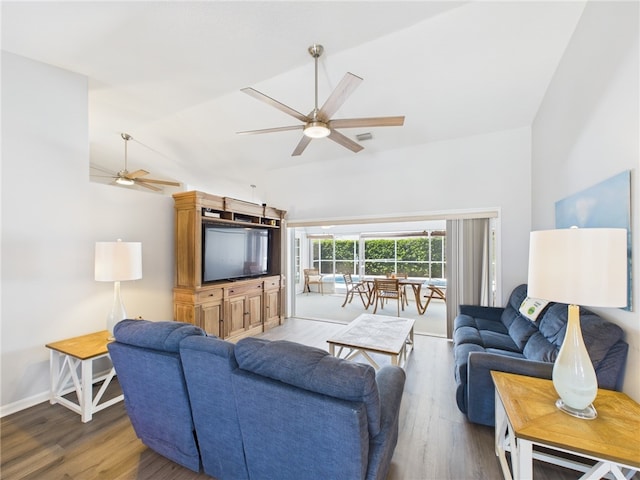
[531, 307]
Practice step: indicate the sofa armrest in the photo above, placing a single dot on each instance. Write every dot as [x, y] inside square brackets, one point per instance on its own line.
[390, 380]
[476, 311]
[481, 392]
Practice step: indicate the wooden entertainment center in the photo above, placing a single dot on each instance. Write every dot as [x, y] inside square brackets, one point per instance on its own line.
[228, 309]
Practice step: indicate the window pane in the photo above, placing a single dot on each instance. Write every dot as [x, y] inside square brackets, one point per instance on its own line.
[414, 269]
[345, 266]
[437, 249]
[436, 270]
[413, 249]
[379, 249]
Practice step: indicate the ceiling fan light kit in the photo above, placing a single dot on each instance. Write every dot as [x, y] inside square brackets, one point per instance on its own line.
[122, 180]
[318, 124]
[316, 130]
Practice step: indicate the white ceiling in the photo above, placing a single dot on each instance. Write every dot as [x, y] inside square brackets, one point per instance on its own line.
[169, 73]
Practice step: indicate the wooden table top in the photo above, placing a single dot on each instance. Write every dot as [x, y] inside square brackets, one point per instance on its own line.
[84, 346]
[530, 406]
[401, 281]
[376, 333]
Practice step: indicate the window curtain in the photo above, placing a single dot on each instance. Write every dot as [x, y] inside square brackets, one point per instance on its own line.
[468, 268]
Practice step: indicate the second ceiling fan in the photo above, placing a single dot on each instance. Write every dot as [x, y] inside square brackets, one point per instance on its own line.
[319, 123]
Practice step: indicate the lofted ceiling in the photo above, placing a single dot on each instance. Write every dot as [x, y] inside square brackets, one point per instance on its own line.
[169, 73]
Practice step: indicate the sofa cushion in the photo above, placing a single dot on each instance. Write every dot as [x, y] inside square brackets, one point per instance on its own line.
[540, 349]
[500, 341]
[163, 336]
[520, 331]
[553, 322]
[464, 321]
[312, 369]
[511, 311]
[599, 335]
[467, 334]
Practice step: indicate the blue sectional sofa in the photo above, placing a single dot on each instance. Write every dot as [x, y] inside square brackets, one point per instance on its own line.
[258, 409]
[504, 339]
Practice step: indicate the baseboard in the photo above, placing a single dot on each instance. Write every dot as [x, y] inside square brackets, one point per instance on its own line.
[24, 404]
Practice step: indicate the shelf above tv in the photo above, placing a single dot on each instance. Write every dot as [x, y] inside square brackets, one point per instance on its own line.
[239, 223]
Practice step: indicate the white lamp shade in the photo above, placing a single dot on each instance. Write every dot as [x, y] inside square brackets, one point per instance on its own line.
[118, 261]
[580, 266]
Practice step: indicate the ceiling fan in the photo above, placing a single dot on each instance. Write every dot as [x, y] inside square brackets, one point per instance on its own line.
[126, 178]
[319, 124]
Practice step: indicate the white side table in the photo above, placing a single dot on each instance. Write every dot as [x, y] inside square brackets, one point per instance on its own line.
[72, 360]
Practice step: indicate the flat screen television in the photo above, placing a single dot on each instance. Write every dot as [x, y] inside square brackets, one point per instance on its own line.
[232, 252]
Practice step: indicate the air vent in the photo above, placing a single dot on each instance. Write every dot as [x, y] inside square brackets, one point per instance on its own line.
[364, 136]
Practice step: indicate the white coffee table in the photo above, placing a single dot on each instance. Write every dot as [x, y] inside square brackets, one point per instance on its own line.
[392, 336]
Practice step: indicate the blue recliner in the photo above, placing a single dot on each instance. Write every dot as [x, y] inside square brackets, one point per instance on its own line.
[147, 360]
[305, 414]
[208, 362]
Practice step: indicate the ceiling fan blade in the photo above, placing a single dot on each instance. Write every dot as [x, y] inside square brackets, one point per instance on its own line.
[367, 122]
[160, 182]
[136, 174]
[342, 91]
[274, 103]
[150, 187]
[345, 141]
[304, 141]
[271, 130]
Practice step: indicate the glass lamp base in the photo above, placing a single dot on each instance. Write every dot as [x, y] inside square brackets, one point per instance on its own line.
[588, 413]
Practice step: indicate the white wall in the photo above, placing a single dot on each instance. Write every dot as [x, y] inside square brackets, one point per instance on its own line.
[484, 172]
[587, 130]
[51, 218]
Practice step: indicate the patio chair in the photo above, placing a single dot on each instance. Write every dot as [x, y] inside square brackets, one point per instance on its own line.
[435, 292]
[353, 288]
[385, 289]
[312, 277]
[403, 287]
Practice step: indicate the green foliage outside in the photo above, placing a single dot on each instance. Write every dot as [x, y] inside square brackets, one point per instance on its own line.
[415, 256]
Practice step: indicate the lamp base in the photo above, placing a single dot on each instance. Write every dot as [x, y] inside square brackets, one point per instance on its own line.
[588, 413]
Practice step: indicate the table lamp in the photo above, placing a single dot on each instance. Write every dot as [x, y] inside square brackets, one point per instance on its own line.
[116, 262]
[578, 266]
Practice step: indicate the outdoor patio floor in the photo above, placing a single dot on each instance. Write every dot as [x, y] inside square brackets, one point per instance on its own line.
[328, 307]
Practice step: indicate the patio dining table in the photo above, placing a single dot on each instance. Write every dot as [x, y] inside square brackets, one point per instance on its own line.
[415, 284]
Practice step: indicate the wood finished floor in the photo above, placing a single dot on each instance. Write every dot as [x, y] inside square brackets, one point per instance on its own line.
[49, 442]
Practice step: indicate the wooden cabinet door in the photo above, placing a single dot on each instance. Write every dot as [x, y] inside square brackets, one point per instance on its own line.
[210, 318]
[254, 309]
[272, 309]
[235, 318]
